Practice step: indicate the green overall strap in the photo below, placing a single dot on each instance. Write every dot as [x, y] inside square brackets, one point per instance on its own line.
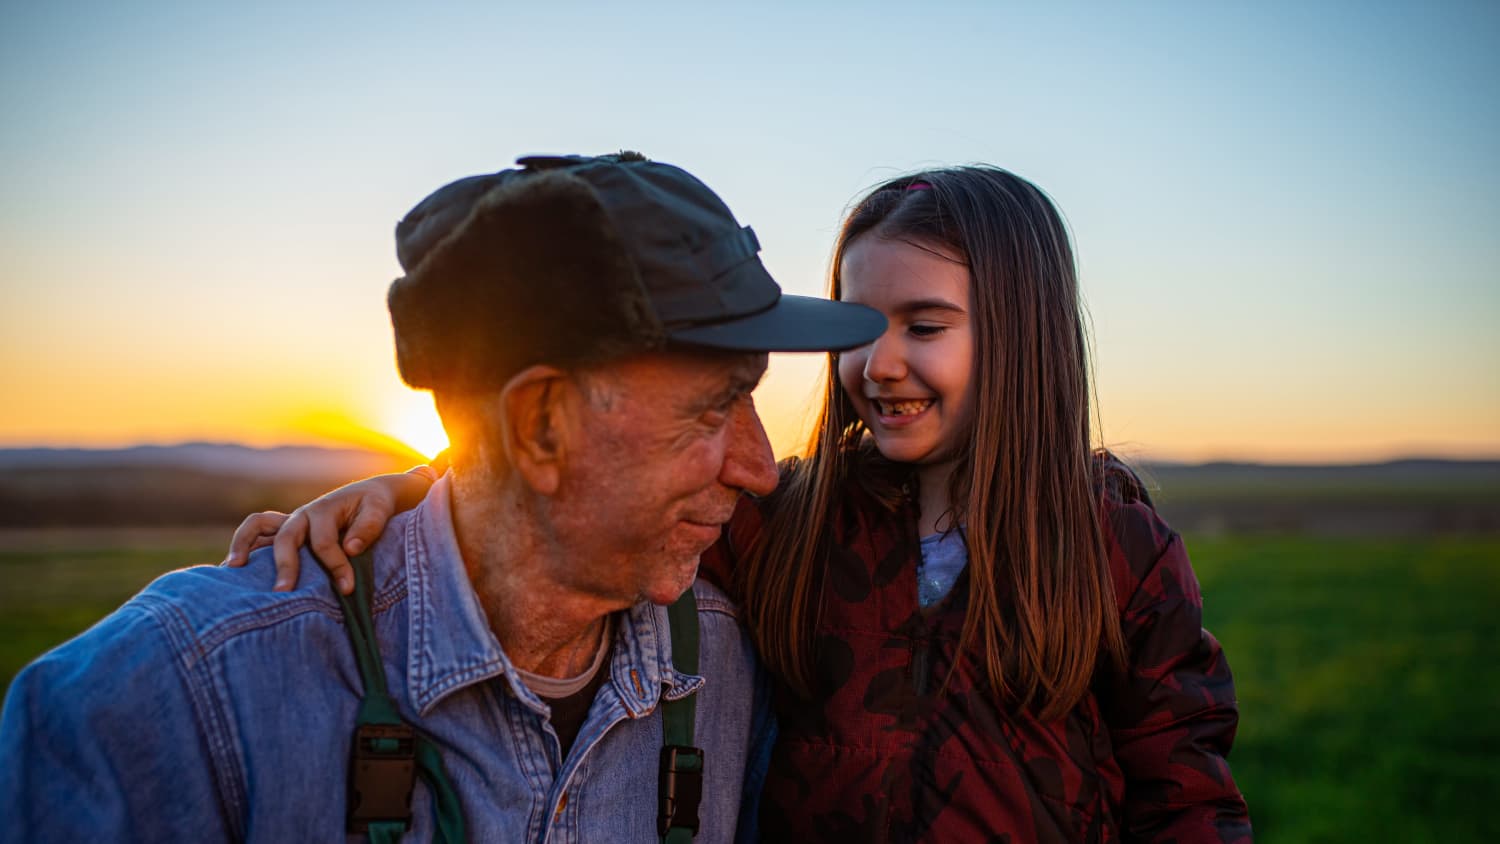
[679, 786]
[388, 752]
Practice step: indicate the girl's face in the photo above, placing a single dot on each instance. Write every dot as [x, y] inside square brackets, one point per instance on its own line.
[911, 387]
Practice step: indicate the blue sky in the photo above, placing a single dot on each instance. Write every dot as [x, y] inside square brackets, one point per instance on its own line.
[1285, 214]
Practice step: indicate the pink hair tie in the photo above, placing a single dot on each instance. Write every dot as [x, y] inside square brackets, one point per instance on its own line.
[919, 186]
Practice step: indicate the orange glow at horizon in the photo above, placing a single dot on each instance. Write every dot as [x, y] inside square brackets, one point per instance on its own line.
[410, 417]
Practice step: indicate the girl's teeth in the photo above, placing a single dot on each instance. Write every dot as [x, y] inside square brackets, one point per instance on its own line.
[905, 408]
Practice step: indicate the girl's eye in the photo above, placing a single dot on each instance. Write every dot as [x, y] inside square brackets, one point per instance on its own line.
[926, 329]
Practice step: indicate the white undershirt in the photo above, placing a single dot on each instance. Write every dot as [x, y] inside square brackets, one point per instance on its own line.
[557, 688]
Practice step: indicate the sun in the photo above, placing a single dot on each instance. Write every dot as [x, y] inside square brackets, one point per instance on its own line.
[411, 418]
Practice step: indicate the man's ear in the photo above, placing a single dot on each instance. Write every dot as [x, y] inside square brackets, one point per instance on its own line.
[536, 406]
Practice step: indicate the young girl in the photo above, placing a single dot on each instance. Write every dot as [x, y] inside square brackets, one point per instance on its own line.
[980, 628]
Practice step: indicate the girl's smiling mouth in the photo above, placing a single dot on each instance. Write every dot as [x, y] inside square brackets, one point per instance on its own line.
[901, 409]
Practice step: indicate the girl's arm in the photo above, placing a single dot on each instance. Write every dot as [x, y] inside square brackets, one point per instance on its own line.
[1172, 710]
[357, 511]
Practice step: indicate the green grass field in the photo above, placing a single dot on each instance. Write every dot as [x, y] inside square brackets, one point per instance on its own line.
[1368, 670]
[58, 582]
[1368, 673]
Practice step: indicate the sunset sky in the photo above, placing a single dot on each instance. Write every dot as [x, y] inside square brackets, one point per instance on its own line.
[1287, 215]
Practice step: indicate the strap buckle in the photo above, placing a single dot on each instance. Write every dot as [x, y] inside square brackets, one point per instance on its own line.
[382, 771]
[679, 788]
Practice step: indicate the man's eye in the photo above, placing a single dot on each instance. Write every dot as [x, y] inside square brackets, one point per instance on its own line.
[719, 413]
[714, 418]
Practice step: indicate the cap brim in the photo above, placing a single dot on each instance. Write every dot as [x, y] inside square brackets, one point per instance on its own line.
[793, 324]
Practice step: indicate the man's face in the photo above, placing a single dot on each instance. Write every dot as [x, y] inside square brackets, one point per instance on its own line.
[662, 448]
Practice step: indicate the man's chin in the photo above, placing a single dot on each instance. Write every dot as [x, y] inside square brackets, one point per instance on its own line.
[667, 591]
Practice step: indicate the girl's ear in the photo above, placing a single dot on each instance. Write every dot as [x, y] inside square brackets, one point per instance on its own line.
[534, 408]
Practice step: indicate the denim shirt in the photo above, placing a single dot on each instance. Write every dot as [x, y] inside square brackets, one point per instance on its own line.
[211, 708]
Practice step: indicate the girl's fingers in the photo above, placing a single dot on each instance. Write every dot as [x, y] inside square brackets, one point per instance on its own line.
[323, 541]
[288, 540]
[254, 532]
[369, 522]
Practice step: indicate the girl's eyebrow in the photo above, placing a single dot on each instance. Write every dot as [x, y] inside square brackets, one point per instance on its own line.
[916, 305]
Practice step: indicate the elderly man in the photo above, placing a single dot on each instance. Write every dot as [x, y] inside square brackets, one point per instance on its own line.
[591, 329]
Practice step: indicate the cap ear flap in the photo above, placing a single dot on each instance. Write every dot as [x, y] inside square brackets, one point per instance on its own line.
[535, 274]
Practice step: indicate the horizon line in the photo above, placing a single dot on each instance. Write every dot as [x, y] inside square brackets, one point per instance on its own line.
[396, 448]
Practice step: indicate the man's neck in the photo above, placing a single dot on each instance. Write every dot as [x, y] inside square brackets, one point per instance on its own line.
[545, 627]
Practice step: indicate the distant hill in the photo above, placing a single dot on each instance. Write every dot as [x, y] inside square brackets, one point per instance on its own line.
[190, 484]
[1395, 498]
[1394, 474]
[218, 484]
[282, 462]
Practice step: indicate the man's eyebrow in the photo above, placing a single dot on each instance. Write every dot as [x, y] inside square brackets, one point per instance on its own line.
[739, 384]
[737, 387]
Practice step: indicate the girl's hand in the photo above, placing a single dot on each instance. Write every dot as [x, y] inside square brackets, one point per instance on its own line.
[360, 510]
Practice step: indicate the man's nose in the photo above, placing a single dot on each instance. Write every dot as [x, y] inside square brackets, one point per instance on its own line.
[749, 464]
[884, 360]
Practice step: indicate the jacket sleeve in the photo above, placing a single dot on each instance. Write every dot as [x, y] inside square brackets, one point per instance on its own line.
[1171, 710]
[100, 742]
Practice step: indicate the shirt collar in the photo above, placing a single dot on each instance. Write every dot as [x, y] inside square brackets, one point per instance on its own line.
[450, 644]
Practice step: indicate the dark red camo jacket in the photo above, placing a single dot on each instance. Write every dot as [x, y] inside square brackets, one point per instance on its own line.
[880, 756]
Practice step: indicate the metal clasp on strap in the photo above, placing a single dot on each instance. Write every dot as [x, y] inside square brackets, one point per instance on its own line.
[382, 770]
[679, 788]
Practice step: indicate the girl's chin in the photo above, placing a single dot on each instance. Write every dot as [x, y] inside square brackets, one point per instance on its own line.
[918, 454]
[901, 451]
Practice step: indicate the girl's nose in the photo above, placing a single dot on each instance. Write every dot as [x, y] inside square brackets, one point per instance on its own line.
[885, 361]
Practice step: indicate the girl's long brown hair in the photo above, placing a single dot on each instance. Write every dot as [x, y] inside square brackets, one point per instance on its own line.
[1041, 612]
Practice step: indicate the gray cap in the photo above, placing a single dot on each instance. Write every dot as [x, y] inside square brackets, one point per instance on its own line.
[580, 259]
